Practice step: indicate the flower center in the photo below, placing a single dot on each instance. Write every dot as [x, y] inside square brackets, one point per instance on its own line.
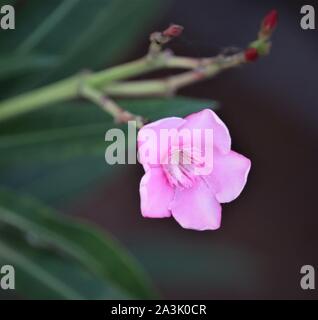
[180, 168]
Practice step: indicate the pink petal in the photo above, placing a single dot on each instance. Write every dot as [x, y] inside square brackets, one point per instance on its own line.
[166, 123]
[156, 194]
[229, 175]
[196, 208]
[207, 119]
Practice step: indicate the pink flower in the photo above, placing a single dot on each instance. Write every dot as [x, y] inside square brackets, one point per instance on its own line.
[175, 188]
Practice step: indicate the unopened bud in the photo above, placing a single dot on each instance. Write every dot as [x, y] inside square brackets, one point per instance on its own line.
[173, 31]
[270, 21]
[251, 54]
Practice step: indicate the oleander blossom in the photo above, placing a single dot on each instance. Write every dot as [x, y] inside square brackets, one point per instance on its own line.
[179, 189]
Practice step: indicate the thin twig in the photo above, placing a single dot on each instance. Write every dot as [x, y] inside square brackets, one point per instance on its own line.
[169, 85]
[120, 115]
[109, 80]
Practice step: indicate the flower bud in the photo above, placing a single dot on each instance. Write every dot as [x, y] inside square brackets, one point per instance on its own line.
[270, 21]
[251, 54]
[173, 31]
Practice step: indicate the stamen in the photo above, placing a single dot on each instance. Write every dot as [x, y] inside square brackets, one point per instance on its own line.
[180, 168]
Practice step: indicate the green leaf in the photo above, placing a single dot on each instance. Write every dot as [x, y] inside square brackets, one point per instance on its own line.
[107, 35]
[14, 257]
[58, 183]
[74, 129]
[48, 25]
[14, 66]
[44, 274]
[157, 108]
[86, 35]
[86, 246]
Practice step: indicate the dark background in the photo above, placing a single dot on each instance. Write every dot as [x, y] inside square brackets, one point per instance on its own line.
[270, 107]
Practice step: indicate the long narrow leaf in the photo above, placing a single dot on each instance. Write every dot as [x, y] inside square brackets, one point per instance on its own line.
[93, 250]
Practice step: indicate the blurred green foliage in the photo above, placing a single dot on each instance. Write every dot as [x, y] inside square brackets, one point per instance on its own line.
[42, 229]
[57, 153]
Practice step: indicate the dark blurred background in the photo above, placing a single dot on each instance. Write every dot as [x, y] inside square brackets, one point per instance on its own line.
[270, 107]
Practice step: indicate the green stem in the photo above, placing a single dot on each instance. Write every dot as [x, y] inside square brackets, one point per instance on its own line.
[98, 98]
[137, 88]
[142, 66]
[200, 69]
[60, 91]
[68, 88]
[168, 86]
[110, 106]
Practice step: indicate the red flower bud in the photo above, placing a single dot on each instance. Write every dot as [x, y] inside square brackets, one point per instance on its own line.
[173, 31]
[270, 21]
[251, 54]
